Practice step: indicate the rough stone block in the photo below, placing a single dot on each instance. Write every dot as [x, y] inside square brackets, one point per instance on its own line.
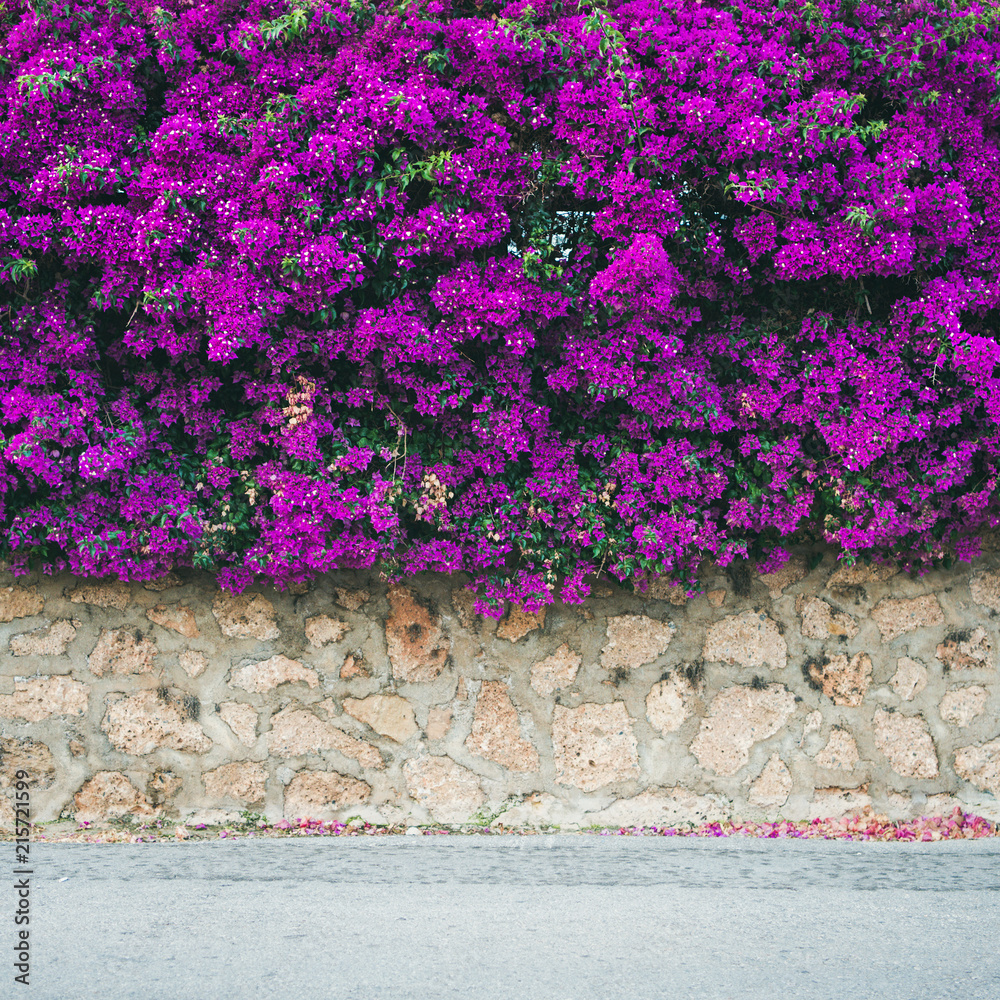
[108, 795]
[750, 639]
[417, 647]
[906, 743]
[739, 717]
[241, 719]
[840, 752]
[450, 793]
[103, 594]
[50, 641]
[24, 754]
[966, 649]
[242, 780]
[245, 616]
[496, 730]
[272, 672]
[772, 788]
[517, 624]
[319, 794]
[668, 704]
[38, 698]
[143, 722]
[176, 617]
[845, 681]
[594, 745]
[322, 630]
[909, 679]
[895, 616]
[961, 705]
[387, 714]
[634, 640]
[122, 651]
[819, 621]
[555, 671]
[295, 732]
[980, 766]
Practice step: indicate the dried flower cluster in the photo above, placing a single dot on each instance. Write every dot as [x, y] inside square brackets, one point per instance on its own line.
[290, 285]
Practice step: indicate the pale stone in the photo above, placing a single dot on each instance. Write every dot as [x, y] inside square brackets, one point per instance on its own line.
[668, 703]
[820, 622]
[739, 717]
[19, 602]
[460, 690]
[103, 594]
[26, 755]
[594, 745]
[961, 705]
[322, 629]
[555, 671]
[162, 786]
[165, 582]
[496, 730]
[671, 807]
[351, 599]
[832, 803]
[8, 820]
[438, 723]
[909, 679]
[245, 616]
[519, 623]
[786, 575]
[242, 780]
[295, 732]
[107, 795]
[895, 616]
[840, 752]
[967, 649]
[416, 645]
[716, 598]
[387, 714]
[750, 639]
[843, 680]
[319, 794]
[906, 743]
[140, 723]
[192, 663]
[859, 575]
[76, 748]
[985, 589]
[464, 603]
[241, 719]
[980, 766]
[354, 666]
[662, 589]
[634, 640]
[176, 617]
[812, 724]
[51, 641]
[772, 787]
[122, 651]
[450, 793]
[272, 672]
[37, 698]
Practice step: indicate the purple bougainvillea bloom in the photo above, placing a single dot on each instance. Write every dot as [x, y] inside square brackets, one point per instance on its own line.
[529, 292]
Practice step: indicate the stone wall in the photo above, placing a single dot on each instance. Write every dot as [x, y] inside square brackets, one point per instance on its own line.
[814, 694]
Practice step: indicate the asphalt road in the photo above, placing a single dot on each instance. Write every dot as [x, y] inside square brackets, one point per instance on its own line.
[553, 918]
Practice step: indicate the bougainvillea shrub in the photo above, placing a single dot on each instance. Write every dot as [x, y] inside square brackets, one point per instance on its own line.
[532, 292]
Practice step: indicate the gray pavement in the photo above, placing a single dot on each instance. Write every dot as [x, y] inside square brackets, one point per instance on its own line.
[547, 917]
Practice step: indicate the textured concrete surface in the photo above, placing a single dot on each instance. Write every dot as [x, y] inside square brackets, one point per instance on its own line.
[524, 918]
[799, 693]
